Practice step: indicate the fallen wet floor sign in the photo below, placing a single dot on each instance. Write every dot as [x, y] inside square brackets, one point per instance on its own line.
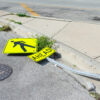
[21, 45]
[44, 53]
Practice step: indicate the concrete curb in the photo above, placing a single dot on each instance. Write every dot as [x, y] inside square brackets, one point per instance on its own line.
[49, 18]
[18, 29]
[78, 59]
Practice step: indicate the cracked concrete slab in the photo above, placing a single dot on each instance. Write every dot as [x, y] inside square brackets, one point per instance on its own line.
[84, 37]
[46, 26]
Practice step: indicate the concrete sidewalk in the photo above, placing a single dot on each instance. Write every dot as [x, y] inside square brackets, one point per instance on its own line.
[78, 41]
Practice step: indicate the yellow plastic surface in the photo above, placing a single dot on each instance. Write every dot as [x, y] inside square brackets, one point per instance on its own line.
[44, 53]
[21, 45]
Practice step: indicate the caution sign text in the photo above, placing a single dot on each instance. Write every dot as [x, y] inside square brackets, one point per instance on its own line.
[44, 53]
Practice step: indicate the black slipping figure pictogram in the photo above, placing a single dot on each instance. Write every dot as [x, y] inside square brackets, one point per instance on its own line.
[22, 44]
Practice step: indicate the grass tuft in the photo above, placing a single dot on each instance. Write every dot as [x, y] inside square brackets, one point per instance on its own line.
[95, 95]
[16, 22]
[44, 41]
[22, 15]
[5, 28]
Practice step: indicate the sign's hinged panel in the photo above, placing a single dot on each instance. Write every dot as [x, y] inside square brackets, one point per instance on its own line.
[44, 53]
[21, 45]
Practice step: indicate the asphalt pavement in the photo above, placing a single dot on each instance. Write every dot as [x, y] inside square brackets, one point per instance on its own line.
[46, 10]
[71, 3]
[34, 81]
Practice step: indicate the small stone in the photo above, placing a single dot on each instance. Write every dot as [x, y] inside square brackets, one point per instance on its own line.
[90, 86]
[56, 65]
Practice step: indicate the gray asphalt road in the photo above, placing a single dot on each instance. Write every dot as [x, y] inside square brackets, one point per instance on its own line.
[64, 3]
[32, 81]
[74, 14]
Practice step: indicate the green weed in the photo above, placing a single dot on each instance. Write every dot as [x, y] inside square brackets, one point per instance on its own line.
[22, 15]
[5, 28]
[74, 66]
[44, 41]
[95, 95]
[16, 22]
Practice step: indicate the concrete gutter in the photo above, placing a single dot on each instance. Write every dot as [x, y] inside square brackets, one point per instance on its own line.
[79, 59]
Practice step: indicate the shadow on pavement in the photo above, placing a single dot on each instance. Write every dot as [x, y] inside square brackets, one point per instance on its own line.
[21, 54]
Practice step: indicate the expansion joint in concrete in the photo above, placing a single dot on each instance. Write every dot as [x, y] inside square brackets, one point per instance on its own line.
[61, 30]
[97, 57]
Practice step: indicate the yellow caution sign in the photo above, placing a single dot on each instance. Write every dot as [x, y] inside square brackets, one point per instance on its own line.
[44, 53]
[21, 45]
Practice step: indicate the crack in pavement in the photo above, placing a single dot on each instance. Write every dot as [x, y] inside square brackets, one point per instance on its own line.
[61, 30]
